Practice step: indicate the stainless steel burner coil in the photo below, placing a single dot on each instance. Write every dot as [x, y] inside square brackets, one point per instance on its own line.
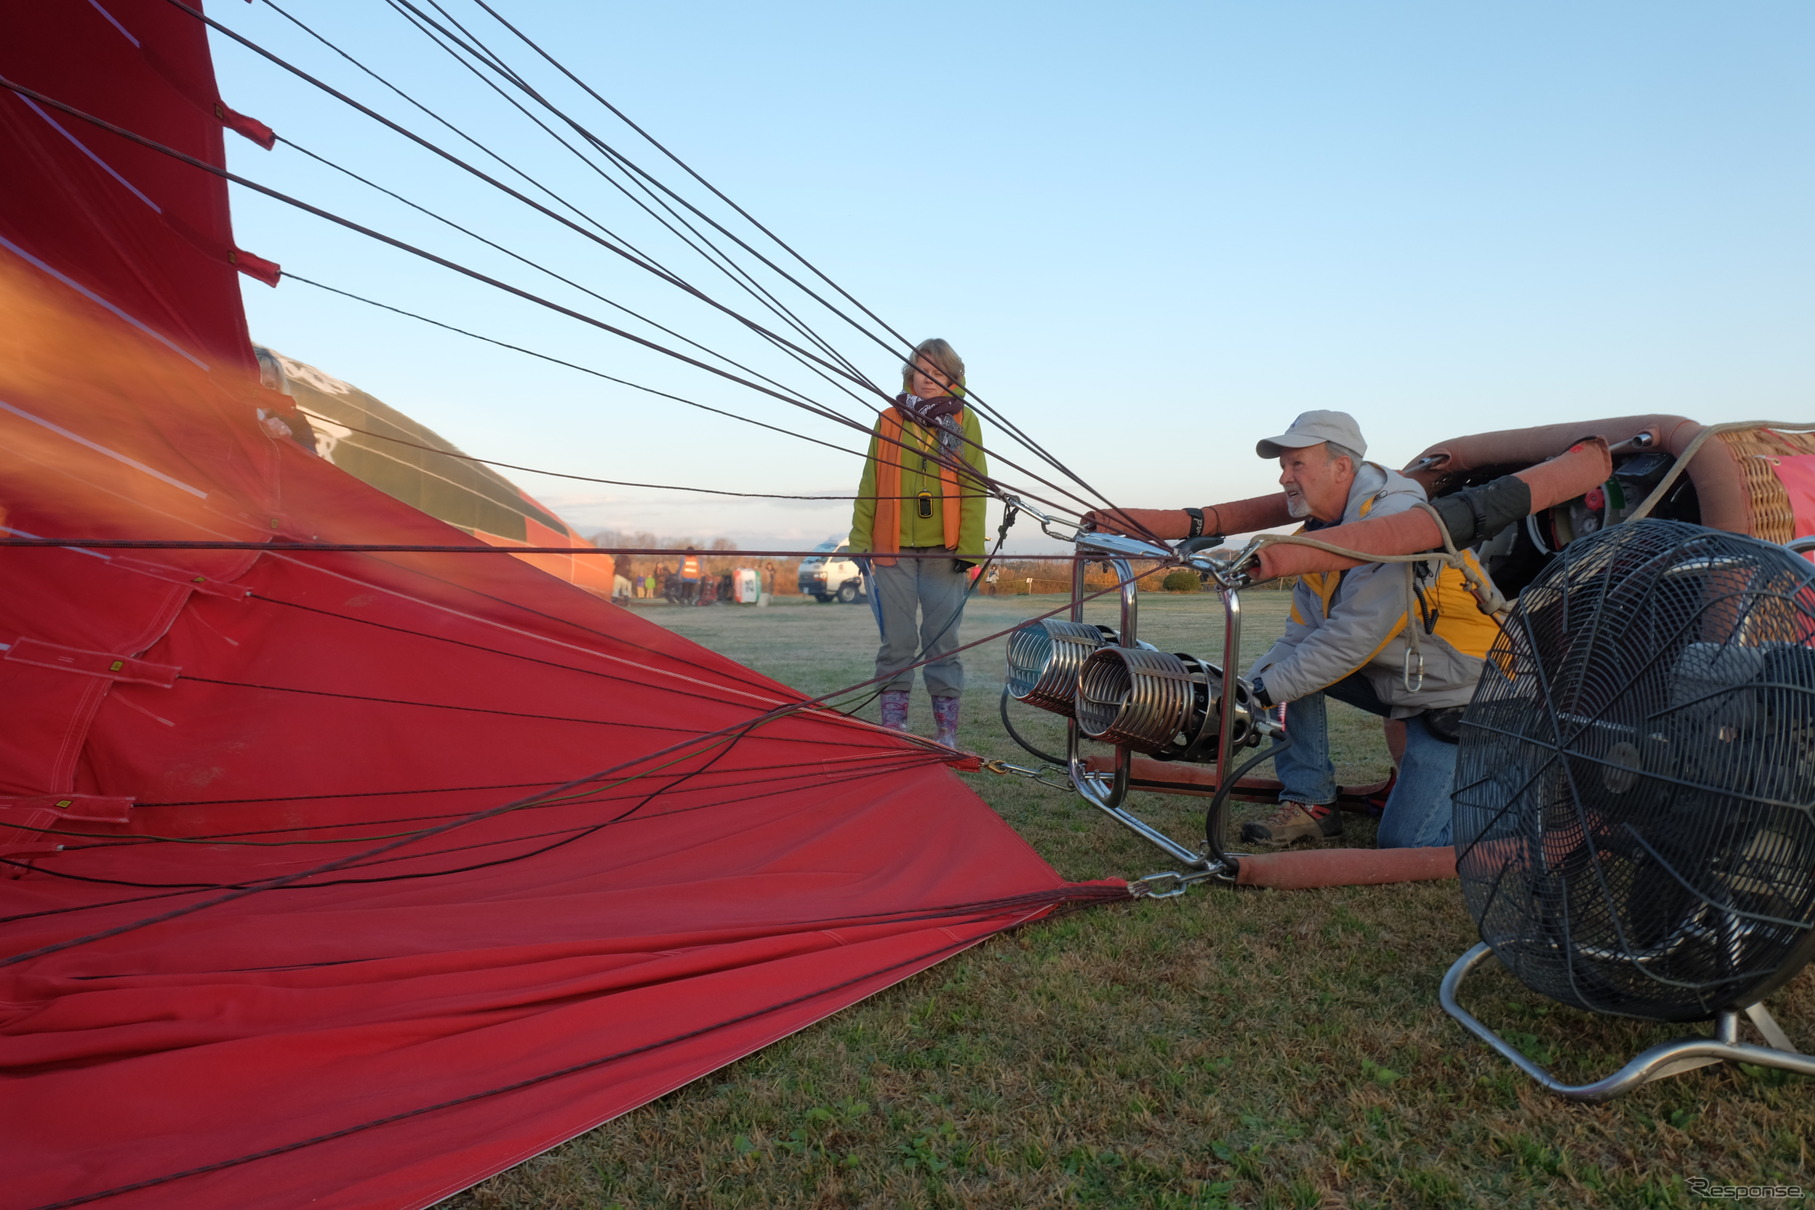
[1044, 658]
[1152, 701]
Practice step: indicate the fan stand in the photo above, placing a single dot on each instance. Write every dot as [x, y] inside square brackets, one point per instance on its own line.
[1665, 1059]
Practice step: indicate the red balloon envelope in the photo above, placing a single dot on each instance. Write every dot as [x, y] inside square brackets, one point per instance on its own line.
[344, 878]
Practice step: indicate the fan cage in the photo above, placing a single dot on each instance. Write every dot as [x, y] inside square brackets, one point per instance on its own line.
[1635, 786]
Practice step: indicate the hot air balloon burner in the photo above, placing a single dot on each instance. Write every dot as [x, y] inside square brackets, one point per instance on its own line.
[1114, 689]
[1162, 704]
[1045, 657]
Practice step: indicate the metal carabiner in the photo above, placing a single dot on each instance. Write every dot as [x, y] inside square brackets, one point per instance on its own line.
[1405, 675]
[1144, 888]
[1183, 881]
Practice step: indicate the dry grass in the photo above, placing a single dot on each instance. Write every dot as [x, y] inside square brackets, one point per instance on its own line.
[1223, 1049]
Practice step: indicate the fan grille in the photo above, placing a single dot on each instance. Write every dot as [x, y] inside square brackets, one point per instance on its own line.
[1635, 789]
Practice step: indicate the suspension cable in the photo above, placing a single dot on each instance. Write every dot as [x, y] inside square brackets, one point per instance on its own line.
[710, 253]
[903, 342]
[993, 413]
[528, 296]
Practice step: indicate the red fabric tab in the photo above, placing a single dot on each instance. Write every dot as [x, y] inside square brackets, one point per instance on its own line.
[92, 663]
[241, 123]
[91, 808]
[267, 271]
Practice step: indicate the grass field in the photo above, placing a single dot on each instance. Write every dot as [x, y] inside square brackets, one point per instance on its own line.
[1228, 1048]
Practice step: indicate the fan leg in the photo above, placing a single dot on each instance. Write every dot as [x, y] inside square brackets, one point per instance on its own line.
[1665, 1059]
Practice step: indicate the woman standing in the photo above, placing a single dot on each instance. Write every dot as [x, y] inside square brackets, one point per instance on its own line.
[922, 494]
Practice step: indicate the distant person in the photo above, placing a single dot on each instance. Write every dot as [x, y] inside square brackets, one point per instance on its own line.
[690, 577]
[621, 583]
[922, 494]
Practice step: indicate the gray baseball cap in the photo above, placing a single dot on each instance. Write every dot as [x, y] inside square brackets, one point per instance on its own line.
[1315, 428]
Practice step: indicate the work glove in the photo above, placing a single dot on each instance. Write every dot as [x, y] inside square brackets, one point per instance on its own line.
[1140, 522]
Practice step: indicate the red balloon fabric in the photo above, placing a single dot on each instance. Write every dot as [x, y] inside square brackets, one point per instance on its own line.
[351, 879]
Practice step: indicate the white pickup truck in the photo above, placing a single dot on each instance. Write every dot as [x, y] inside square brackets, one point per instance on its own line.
[833, 576]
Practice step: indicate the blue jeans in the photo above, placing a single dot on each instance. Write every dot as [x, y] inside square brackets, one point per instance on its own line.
[1417, 811]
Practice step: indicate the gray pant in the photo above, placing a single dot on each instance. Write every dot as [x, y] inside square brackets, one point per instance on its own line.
[919, 603]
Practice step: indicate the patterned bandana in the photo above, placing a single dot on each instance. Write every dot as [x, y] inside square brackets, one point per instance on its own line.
[935, 414]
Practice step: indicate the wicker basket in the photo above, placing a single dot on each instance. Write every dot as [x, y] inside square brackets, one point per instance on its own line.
[1755, 453]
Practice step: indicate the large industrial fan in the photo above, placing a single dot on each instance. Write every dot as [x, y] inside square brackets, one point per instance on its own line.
[1635, 792]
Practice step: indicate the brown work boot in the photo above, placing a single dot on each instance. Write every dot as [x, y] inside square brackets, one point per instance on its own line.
[1294, 821]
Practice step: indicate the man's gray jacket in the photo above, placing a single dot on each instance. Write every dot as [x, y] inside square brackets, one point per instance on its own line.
[1356, 621]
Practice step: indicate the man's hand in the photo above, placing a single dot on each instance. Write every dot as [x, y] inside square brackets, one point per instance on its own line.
[1140, 522]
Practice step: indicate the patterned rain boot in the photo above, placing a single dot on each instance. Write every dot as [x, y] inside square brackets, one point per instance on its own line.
[895, 709]
[945, 721]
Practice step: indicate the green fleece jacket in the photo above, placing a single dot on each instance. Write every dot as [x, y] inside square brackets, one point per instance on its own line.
[918, 476]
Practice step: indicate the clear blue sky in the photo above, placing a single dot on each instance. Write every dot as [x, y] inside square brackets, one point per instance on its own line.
[1155, 231]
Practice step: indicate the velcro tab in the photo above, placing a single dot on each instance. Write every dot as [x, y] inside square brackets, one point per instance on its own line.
[89, 808]
[176, 575]
[93, 663]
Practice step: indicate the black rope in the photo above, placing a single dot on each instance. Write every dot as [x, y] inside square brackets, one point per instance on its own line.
[534, 470]
[1081, 895]
[471, 169]
[754, 681]
[453, 159]
[1216, 815]
[289, 276]
[702, 694]
[466, 820]
[1026, 745]
[579, 213]
[478, 548]
[855, 773]
[958, 464]
[542, 268]
[436, 34]
[741, 774]
[902, 349]
[399, 701]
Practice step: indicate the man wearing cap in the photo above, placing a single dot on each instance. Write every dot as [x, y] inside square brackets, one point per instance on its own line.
[1347, 638]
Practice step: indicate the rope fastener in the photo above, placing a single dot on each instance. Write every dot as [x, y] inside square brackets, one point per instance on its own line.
[1413, 660]
[1041, 775]
[1177, 882]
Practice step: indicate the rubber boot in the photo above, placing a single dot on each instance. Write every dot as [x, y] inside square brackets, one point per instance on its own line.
[895, 709]
[945, 721]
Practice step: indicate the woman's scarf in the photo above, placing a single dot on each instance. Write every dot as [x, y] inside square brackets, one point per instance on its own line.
[937, 415]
